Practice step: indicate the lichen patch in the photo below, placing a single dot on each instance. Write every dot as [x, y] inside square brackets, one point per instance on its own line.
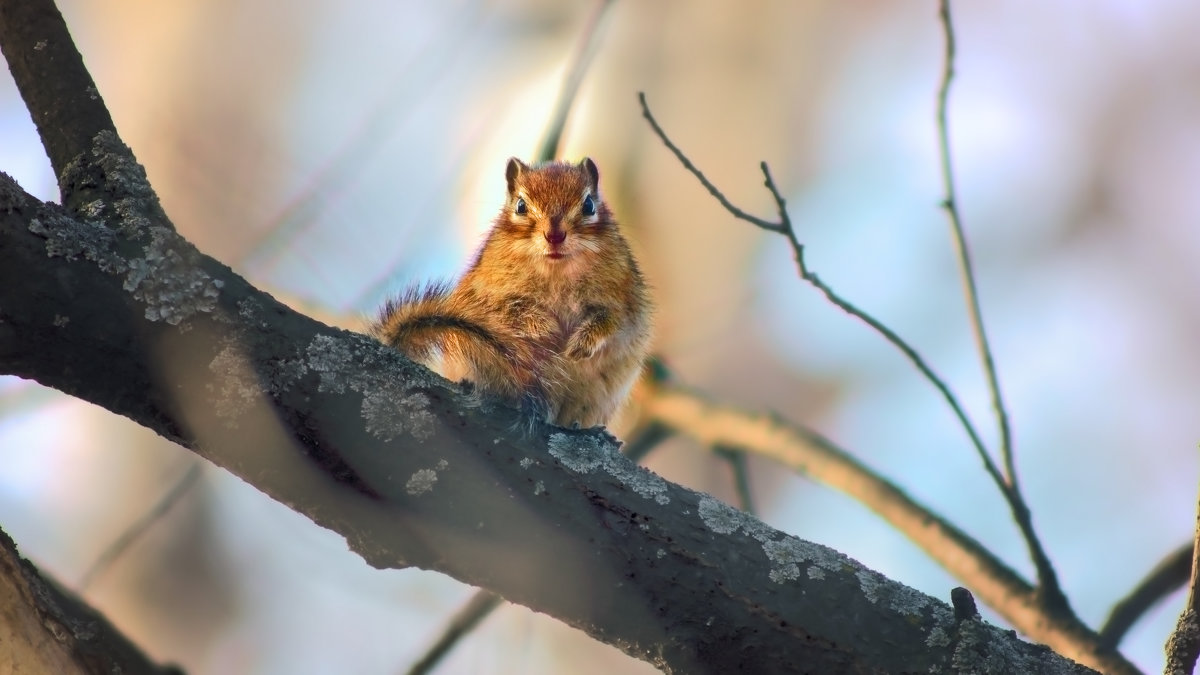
[421, 481]
[236, 388]
[585, 453]
[786, 554]
[391, 405]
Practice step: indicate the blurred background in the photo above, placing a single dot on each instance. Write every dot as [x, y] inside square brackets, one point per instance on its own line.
[333, 153]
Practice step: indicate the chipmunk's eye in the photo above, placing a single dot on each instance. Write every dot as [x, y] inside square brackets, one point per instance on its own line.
[589, 206]
[520, 209]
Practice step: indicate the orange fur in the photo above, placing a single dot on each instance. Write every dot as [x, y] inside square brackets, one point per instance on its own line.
[553, 306]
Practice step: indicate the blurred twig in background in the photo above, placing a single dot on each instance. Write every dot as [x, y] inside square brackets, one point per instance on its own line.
[131, 534]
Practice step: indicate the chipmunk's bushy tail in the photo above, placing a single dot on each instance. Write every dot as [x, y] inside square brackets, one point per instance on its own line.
[423, 323]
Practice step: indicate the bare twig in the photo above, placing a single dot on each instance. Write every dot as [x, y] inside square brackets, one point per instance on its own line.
[589, 40]
[478, 607]
[1170, 573]
[712, 189]
[950, 204]
[1184, 643]
[807, 452]
[1048, 583]
[131, 534]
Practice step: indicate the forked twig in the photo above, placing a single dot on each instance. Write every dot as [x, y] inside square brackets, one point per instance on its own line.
[784, 227]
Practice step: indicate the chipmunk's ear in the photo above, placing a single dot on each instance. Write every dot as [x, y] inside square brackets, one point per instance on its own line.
[590, 167]
[515, 168]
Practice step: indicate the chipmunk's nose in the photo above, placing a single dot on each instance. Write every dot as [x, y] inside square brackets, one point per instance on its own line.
[556, 234]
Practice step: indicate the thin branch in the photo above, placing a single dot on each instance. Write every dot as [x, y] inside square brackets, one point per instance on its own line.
[478, 607]
[807, 452]
[784, 227]
[589, 41]
[131, 534]
[687, 164]
[1047, 577]
[1183, 645]
[1169, 574]
[950, 204]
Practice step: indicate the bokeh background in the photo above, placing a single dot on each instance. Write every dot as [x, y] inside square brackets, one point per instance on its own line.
[332, 153]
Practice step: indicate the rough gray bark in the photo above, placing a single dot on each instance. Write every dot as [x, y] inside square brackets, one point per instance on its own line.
[103, 300]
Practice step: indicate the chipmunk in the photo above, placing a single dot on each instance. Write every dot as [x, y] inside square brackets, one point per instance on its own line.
[552, 312]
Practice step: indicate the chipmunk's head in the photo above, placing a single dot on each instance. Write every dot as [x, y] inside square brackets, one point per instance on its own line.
[555, 210]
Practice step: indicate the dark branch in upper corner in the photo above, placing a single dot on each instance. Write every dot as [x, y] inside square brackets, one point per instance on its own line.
[57, 88]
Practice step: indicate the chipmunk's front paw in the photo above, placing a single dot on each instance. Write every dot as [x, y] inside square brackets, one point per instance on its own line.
[581, 347]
